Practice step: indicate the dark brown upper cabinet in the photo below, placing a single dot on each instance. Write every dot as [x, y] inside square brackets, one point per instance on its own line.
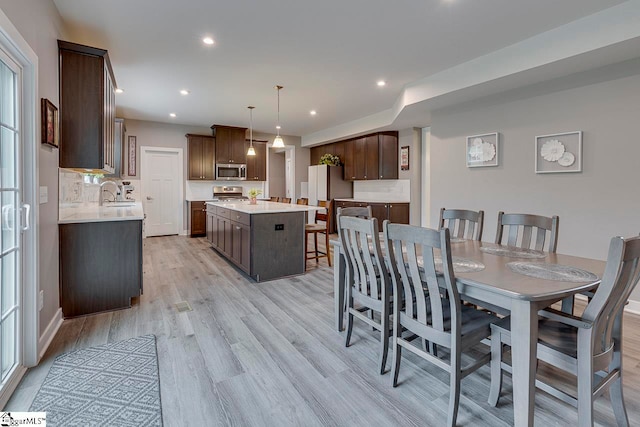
[388, 155]
[257, 165]
[230, 144]
[87, 108]
[201, 157]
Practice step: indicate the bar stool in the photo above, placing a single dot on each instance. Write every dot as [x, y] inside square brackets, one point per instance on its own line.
[316, 228]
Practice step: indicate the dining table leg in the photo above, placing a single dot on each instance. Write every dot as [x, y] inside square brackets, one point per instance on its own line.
[524, 339]
[339, 273]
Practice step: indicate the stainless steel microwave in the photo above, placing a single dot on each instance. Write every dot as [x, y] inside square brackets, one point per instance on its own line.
[232, 172]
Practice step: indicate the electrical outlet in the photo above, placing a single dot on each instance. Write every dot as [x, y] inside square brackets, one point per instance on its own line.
[40, 300]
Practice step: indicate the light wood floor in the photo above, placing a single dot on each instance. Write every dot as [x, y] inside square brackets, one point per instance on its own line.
[267, 354]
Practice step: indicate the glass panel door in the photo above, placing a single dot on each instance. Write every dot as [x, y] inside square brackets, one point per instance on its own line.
[10, 290]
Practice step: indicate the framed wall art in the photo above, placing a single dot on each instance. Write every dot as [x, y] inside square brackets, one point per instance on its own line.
[49, 114]
[559, 152]
[404, 158]
[131, 171]
[482, 150]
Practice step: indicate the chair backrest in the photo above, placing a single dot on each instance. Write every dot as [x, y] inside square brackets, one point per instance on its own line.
[302, 201]
[410, 253]
[285, 200]
[620, 277]
[364, 260]
[462, 224]
[357, 211]
[273, 199]
[323, 216]
[523, 226]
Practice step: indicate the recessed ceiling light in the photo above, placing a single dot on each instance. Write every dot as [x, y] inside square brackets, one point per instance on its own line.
[173, 115]
[313, 112]
[118, 90]
[208, 40]
[184, 92]
[381, 83]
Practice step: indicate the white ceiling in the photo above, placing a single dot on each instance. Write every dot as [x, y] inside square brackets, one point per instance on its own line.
[327, 54]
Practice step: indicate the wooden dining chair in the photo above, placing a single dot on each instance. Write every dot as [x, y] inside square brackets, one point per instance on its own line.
[462, 224]
[302, 201]
[427, 304]
[588, 347]
[284, 199]
[368, 278]
[315, 229]
[522, 227]
[356, 211]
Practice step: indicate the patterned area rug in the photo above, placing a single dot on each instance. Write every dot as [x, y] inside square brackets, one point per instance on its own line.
[114, 384]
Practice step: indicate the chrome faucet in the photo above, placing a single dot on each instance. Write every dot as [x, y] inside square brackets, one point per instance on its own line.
[104, 190]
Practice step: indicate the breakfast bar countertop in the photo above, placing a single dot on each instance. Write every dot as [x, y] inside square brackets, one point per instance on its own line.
[264, 207]
[92, 212]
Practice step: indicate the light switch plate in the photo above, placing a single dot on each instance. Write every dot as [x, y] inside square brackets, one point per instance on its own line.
[44, 194]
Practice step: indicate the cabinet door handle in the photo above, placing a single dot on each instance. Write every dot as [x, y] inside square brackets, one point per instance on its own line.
[237, 227]
[390, 206]
[380, 176]
[365, 177]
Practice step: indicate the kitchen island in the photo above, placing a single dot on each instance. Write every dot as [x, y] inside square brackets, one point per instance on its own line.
[100, 256]
[265, 240]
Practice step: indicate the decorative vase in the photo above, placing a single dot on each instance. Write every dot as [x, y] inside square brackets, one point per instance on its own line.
[253, 200]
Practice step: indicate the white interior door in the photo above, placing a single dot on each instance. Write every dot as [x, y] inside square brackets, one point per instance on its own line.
[287, 177]
[161, 179]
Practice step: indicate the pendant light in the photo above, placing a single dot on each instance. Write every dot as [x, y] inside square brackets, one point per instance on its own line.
[278, 142]
[251, 151]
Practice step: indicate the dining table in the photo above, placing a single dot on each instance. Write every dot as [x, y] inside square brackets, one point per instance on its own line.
[518, 281]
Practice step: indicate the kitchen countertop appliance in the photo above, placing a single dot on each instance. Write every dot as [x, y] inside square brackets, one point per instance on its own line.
[228, 193]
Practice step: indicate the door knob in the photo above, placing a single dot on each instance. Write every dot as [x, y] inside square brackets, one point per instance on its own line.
[149, 198]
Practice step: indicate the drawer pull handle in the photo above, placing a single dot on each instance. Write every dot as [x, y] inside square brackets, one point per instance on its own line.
[237, 228]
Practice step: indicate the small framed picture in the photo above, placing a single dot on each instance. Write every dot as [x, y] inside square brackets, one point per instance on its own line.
[482, 150]
[404, 158]
[132, 156]
[49, 113]
[559, 152]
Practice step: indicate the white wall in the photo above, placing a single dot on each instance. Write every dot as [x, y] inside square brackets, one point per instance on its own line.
[595, 205]
[412, 138]
[40, 24]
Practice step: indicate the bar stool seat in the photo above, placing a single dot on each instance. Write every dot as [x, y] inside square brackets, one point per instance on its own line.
[316, 228]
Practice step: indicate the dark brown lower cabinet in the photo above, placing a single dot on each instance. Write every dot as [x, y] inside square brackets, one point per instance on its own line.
[100, 266]
[198, 219]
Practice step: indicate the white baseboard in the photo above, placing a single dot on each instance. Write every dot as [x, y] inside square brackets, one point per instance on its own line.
[49, 333]
[11, 386]
[633, 307]
[185, 233]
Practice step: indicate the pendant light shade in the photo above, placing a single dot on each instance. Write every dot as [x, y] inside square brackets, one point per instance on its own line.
[278, 142]
[251, 151]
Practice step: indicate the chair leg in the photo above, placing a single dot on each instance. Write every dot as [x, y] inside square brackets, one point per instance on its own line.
[454, 388]
[315, 245]
[585, 385]
[327, 247]
[349, 317]
[496, 368]
[384, 341]
[306, 246]
[397, 356]
[433, 349]
[615, 390]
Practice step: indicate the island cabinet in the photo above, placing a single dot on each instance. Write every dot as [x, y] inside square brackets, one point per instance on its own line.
[257, 165]
[201, 157]
[87, 108]
[265, 242]
[230, 144]
[397, 213]
[198, 219]
[100, 266]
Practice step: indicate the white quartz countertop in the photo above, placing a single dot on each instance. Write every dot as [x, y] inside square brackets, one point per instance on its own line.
[363, 200]
[262, 207]
[92, 212]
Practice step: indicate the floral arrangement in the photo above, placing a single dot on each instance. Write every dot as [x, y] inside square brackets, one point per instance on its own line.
[330, 159]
